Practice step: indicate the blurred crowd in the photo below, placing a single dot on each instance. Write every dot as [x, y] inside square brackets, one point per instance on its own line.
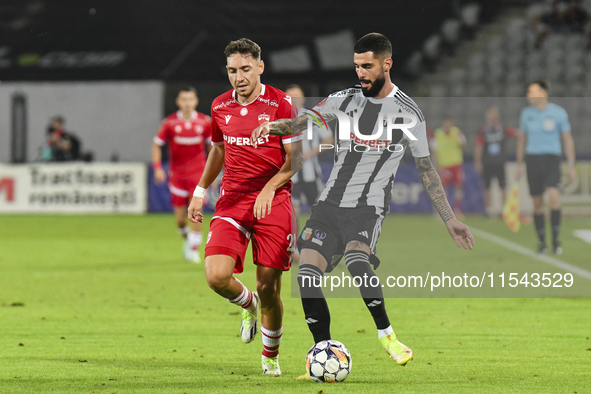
[563, 17]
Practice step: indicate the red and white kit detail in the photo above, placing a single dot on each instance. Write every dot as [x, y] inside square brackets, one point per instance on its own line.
[186, 141]
[246, 172]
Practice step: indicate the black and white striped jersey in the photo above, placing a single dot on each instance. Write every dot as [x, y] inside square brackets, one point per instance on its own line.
[311, 171]
[364, 170]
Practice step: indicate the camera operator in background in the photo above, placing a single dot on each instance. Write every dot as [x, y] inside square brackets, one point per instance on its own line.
[60, 144]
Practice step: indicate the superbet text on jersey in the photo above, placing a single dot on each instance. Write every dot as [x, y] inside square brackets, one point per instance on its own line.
[248, 169]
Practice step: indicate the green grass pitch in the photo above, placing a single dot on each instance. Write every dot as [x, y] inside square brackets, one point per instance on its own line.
[94, 304]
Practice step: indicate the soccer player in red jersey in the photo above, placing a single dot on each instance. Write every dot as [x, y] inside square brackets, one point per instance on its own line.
[187, 133]
[254, 201]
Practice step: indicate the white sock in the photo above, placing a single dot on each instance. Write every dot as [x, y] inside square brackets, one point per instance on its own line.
[271, 341]
[194, 239]
[183, 231]
[385, 332]
[245, 299]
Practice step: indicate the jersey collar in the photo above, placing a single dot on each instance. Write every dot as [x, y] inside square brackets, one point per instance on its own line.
[262, 93]
[179, 115]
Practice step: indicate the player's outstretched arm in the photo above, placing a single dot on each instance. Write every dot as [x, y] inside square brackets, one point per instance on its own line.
[293, 163]
[213, 166]
[280, 127]
[432, 184]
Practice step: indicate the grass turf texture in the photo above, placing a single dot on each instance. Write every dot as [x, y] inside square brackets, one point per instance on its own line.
[93, 304]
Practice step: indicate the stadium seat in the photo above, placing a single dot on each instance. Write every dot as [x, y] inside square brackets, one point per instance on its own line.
[450, 30]
[574, 42]
[476, 59]
[476, 74]
[535, 72]
[574, 57]
[574, 72]
[514, 89]
[414, 65]
[477, 90]
[470, 14]
[515, 61]
[438, 91]
[457, 75]
[495, 43]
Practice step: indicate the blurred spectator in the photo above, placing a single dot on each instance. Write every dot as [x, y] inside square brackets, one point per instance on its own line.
[490, 154]
[563, 17]
[60, 144]
[576, 17]
[447, 146]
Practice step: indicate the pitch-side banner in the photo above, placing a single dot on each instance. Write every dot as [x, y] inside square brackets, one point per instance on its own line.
[73, 188]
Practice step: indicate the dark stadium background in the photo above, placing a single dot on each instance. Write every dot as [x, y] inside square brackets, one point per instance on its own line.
[152, 34]
[446, 52]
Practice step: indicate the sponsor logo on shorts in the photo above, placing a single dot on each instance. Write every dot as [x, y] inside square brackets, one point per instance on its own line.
[307, 233]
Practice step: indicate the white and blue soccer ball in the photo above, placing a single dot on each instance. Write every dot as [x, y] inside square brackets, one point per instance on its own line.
[328, 361]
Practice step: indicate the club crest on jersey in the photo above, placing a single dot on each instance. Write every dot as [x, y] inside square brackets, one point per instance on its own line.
[178, 128]
[264, 118]
[243, 112]
[307, 233]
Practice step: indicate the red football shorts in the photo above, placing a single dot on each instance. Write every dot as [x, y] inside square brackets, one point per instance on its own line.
[181, 189]
[452, 175]
[234, 225]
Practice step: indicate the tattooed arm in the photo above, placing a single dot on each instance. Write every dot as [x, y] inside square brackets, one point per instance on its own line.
[281, 127]
[432, 184]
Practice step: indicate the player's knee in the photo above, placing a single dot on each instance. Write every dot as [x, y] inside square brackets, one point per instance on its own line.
[218, 283]
[268, 293]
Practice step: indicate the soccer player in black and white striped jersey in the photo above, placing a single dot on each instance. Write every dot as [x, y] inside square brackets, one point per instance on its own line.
[347, 219]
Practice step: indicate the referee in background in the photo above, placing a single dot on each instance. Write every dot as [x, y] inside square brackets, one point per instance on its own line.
[544, 130]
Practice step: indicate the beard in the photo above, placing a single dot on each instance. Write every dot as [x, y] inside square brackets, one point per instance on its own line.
[376, 86]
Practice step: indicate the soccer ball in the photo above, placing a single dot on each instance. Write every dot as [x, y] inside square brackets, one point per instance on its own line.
[328, 361]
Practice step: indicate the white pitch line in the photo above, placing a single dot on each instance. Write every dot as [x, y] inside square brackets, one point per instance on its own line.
[520, 249]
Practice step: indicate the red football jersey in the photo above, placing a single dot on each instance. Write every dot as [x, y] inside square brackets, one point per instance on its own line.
[186, 141]
[246, 168]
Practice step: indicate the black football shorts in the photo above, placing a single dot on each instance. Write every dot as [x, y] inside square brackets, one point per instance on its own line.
[331, 228]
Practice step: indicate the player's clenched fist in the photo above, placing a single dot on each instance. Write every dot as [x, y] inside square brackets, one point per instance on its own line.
[194, 211]
[264, 201]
